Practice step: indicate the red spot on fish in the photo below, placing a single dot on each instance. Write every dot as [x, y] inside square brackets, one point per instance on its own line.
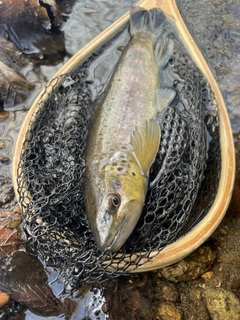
[125, 88]
[127, 98]
[139, 49]
[134, 79]
[138, 61]
[126, 108]
[136, 122]
[140, 94]
[144, 72]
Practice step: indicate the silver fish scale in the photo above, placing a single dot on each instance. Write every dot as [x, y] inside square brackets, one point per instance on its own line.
[183, 181]
[182, 157]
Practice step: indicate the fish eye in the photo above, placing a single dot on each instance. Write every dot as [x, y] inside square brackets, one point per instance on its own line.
[114, 201]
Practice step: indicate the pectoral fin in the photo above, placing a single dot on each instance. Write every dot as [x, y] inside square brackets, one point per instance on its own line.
[145, 144]
[163, 52]
[164, 97]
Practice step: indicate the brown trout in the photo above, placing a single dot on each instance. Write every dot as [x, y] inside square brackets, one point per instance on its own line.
[124, 136]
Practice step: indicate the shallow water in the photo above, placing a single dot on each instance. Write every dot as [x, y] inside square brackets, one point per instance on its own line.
[89, 18]
[215, 26]
[218, 38]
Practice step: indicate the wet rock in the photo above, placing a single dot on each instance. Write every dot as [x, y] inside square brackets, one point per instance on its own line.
[192, 301]
[32, 26]
[166, 291]
[14, 86]
[4, 160]
[167, 311]
[191, 267]
[223, 231]
[235, 283]
[165, 295]
[235, 286]
[207, 275]
[222, 304]
[6, 192]
[127, 303]
[26, 27]
[10, 55]
[53, 11]
[4, 299]
[10, 218]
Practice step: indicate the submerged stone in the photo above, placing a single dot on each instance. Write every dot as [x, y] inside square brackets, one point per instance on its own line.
[222, 304]
[168, 311]
[191, 267]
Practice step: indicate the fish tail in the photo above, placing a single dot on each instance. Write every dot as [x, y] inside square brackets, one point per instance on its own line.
[149, 22]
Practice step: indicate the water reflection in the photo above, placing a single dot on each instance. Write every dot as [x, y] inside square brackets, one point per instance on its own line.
[89, 18]
[219, 39]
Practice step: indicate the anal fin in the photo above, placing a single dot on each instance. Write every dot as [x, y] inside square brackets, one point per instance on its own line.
[145, 144]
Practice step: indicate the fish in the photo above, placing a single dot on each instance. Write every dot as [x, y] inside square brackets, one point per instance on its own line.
[124, 134]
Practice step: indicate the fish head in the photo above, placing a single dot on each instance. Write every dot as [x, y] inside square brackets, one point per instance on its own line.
[119, 204]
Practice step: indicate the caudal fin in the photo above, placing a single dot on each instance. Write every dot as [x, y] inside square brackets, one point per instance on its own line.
[150, 21]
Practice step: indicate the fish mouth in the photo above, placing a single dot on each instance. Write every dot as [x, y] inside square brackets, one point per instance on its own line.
[112, 248]
[113, 244]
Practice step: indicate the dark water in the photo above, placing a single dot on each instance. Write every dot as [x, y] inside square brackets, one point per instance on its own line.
[218, 37]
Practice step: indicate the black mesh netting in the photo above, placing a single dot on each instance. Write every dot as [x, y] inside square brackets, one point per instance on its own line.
[183, 182]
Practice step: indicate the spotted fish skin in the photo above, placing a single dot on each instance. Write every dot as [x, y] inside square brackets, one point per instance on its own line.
[124, 136]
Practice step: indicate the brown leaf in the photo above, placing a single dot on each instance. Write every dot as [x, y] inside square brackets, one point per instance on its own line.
[14, 86]
[10, 218]
[24, 279]
[10, 55]
[38, 298]
[9, 241]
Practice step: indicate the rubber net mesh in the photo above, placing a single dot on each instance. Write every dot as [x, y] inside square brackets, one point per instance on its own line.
[183, 181]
